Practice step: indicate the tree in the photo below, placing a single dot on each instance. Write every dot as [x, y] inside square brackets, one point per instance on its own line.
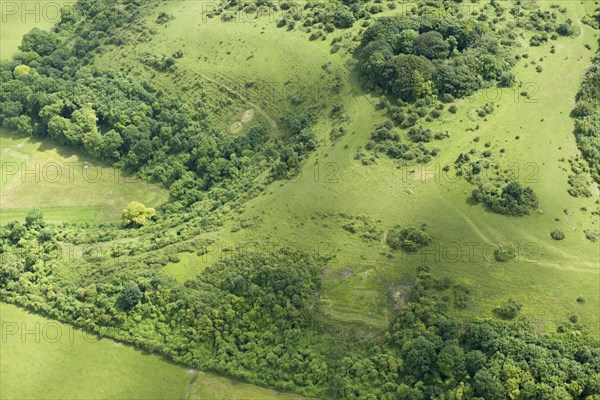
[42, 42]
[409, 238]
[34, 219]
[488, 386]
[60, 129]
[431, 45]
[21, 70]
[342, 17]
[136, 215]
[111, 145]
[451, 361]
[85, 119]
[403, 42]
[16, 231]
[419, 357]
[22, 124]
[130, 296]
[405, 76]
[509, 310]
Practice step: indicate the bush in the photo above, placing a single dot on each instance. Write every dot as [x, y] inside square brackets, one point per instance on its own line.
[504, 253]
[512, 200]
[591, 235]
[509, 310]
[342, 17]
[408, 239]
[462, 295]
[34, 219]
[130, 296]
[507, 79]
[557, 234]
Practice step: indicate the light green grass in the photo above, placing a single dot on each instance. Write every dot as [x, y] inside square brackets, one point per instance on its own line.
[64, 363]
[214, 387]
[34, 174]
[57, 361]
[188, 265]
[19, 17]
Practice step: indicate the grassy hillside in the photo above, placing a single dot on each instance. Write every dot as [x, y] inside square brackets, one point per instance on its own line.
[547, 276]
[208, 283]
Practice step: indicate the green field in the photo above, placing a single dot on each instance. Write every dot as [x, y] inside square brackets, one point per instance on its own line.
[36, 351]
[36, 174]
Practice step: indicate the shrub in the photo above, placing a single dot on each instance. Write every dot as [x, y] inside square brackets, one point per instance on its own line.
[591, 235]
[130, 296]
[462, 294]
[504, 253]
[408, 239]
[508, 310]
[557, 234]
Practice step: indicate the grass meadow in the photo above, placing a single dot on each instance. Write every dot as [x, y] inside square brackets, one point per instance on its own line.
[37, 174]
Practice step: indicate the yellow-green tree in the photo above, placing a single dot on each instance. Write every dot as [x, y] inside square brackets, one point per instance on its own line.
[136, 215]
[21, 70]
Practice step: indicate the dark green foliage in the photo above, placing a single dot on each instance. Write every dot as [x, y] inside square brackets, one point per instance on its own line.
[462, 295]
[431, 45]
[428, 354]
[408, 238]
[557, 234]
[35, 219]
[566, 28]
[396, 54]
[132, 125]
[40, 42]
[130, 296]
[342, 17]
[513, 199]
[256, 315]
[405, 76]
[587, 118]
[163, 18]
[504, 253]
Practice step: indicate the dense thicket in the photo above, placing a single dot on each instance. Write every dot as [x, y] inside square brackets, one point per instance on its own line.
[251, 316]
[432, 53]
